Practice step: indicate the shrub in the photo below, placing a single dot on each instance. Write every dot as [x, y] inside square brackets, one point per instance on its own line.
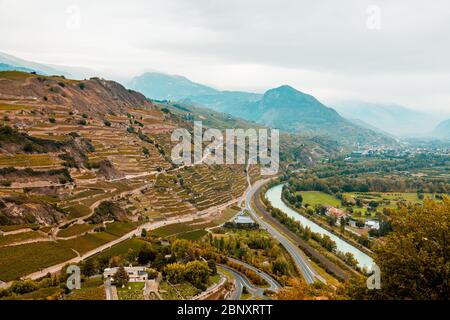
[22, 287]
[6, 183]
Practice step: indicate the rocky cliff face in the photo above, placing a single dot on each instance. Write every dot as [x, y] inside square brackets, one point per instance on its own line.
[23, 210]
[94, 97]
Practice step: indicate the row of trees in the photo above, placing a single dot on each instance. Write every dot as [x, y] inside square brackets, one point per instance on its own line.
[303, 232]
[339, 184]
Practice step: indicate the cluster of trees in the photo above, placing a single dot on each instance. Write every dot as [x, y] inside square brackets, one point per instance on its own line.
[253, 246]
[293, 198]
[196, 272]
[340, 184]
[414, 258]
[146, 255]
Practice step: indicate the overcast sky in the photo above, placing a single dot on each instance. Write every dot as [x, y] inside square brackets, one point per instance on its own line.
[394, 51]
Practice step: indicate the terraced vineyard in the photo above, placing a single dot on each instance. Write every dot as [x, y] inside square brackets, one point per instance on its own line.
[68, 146]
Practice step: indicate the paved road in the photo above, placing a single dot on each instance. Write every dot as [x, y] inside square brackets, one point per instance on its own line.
[308, 273]
[273, 284]
[241, 282]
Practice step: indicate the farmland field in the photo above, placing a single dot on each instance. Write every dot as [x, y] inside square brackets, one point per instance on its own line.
[74, 230]
[88, 242]
[319, 198]
[122, 248]
[179, 228]
[77, 211]
[24, 259]
[120, 228]
[28, 160]
[193, 235]
[19, 237]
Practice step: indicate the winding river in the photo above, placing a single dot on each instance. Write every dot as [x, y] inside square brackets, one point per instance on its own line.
[274, 196]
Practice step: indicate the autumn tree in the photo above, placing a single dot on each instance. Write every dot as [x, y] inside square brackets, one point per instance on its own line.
[197, 272]
[174, 272]
[414, 257]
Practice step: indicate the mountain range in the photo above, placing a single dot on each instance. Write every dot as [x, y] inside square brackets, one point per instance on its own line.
[442, 130]
[394, 119]
[10, 62]
[283, 107]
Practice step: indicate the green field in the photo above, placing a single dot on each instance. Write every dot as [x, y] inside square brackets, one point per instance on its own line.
[193, 235]
[24, 259]
[313, 198]
[19, 237]
[88, 242]
[75, 230]
[77, 211]
[181, 228]
[120, 228]
[122, 248]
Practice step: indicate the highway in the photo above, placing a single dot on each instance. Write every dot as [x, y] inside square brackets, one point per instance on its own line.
[241, 282]
[303, 265]
[273, 284]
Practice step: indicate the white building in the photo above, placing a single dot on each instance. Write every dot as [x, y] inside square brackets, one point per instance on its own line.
[136, 274]
[243, 220]
[372, 224]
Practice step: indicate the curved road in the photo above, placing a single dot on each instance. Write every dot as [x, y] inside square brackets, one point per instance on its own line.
[308, 272]
[241, 282]
[273, 284]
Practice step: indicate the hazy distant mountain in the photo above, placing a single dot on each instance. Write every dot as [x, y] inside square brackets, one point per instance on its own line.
[291, 110]
[168, 87]
[442, 130]
[394, 119]
[8, 67]
[284, 107]
[364, 124]
[45, 69]
[39, 68]
[236, 103]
